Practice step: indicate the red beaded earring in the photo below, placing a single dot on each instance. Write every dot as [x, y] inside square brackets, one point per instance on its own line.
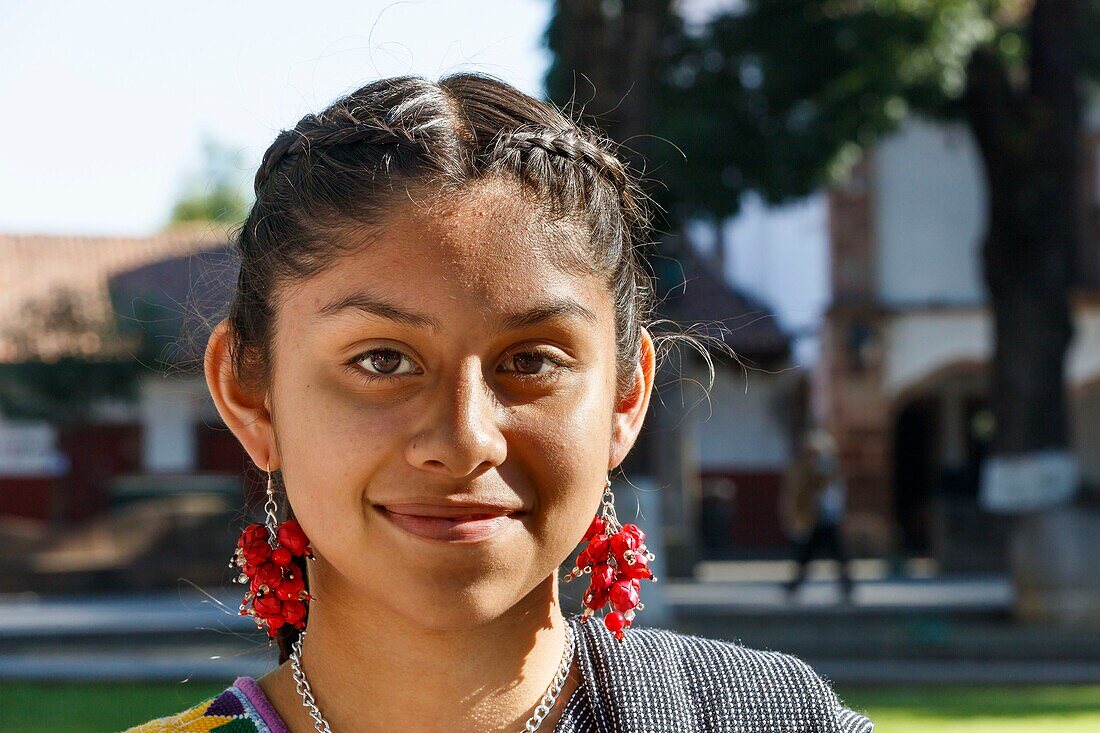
[265, 554]
[617, 559]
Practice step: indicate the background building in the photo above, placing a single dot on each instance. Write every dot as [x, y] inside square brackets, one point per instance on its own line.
[908, 340]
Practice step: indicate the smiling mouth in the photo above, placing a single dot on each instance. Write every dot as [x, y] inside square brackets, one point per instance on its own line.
[470, 526]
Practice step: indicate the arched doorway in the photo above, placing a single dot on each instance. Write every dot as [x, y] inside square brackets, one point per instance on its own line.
[913, 473]
[942, 431]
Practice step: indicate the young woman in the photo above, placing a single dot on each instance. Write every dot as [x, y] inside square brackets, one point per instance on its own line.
[438, 349]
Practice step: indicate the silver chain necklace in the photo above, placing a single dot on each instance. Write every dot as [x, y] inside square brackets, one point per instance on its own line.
[541, 711]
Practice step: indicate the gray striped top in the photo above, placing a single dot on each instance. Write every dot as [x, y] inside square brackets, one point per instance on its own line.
[658, 680]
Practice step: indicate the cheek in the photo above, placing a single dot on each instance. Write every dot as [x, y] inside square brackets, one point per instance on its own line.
[331, 444]
[567, 449]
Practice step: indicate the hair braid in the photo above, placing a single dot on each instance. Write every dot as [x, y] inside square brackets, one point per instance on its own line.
[569, 145]
[315, 133]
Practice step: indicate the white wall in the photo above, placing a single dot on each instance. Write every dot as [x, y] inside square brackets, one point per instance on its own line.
[170, 409]
[738, 427]
[919, 343]
[929, 215]
[29, 448]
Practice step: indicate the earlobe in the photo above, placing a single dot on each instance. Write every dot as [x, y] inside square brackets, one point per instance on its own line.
[245, 413]
[631, 409]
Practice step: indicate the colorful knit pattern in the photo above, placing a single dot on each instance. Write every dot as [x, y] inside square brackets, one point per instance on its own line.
[229, 712]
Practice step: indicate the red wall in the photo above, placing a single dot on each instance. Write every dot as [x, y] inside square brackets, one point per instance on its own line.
[28, 497]
[97, 453]
[221, 452]
[754, 508]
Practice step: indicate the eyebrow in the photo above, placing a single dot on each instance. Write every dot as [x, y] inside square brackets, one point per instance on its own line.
[372, 305]
[366, 303]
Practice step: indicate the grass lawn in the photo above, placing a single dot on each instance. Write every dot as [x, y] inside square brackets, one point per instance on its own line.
[105, 707]
[112, 707]
[977, 708]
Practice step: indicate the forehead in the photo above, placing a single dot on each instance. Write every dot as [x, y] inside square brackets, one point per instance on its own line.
[487, 247]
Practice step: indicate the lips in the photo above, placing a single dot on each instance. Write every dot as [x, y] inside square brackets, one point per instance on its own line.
[453, 524]
[449, 511]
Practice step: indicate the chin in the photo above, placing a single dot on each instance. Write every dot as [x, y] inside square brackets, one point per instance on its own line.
[456, 611]
[452, 606]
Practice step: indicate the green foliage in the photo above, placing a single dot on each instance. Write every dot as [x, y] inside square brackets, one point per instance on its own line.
[793, 90]
[782, 96]
[214, 194]
[219, 204]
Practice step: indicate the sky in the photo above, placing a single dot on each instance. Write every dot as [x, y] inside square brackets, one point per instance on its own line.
[106, 105]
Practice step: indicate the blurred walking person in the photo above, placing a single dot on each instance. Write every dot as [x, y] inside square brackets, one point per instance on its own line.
[812, 507]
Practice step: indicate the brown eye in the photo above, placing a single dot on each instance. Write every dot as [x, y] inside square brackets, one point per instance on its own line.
[529, 363]
[535, 364]
[384, 361]
[381, 363]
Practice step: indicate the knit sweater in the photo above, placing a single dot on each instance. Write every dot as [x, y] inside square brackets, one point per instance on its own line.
[655, 680]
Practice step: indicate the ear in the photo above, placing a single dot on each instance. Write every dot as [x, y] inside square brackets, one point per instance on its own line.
[244, 412]
[630, 410]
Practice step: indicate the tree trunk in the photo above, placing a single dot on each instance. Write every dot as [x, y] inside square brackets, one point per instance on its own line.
[1030, 144]
[1030, 140]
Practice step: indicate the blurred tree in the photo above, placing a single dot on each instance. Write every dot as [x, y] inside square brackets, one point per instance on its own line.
[214, 194]
[606, 67]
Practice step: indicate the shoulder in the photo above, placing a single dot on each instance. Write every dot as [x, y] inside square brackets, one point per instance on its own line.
[780, 688]
[231, 708]
[722, 680]
[777, 674]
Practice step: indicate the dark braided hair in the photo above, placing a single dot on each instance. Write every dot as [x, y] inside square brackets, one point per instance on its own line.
[340, 171]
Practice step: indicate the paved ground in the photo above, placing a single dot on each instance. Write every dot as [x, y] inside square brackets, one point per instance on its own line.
[28, 616]
[962, 594]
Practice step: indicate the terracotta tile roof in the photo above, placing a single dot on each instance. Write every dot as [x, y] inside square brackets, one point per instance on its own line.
[32, 267]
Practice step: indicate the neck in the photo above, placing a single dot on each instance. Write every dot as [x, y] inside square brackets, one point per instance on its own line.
[373, 670]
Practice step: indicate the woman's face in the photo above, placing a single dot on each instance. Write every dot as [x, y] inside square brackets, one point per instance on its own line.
[448, 362]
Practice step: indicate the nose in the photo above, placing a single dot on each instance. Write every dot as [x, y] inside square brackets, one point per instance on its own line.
[463, 436]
